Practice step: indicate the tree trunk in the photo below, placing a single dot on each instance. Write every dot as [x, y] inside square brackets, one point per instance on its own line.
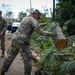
[59, 39]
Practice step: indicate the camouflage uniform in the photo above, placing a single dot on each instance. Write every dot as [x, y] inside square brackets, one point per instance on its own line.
[21, 43]
[3, 28]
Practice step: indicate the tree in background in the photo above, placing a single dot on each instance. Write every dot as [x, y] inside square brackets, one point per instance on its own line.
[7, 12]
[65, 10]
[9, 16]
[22, 15]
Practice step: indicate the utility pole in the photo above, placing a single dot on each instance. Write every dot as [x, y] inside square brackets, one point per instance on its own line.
[53, 10]
[30, 6]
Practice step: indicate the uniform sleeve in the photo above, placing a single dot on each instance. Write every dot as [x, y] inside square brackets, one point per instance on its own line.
[37, 28]
[5, 26]
[45, 33]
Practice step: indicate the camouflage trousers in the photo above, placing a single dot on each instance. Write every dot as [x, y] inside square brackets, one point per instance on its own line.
[25, 52]
[2, 43]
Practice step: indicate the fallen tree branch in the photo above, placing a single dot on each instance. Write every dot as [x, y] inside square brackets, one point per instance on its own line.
[36, 56]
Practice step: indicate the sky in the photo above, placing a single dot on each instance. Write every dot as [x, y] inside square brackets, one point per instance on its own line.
[22, 5]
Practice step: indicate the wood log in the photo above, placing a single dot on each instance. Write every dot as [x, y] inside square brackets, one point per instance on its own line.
[59, 38]
[63, 56]
[35, 56]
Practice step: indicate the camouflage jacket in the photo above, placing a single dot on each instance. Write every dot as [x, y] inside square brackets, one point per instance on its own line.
[27, 27]
[3, 25]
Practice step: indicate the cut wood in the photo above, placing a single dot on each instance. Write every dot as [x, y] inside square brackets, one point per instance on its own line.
[35, 56]
[63, 56]
[59, 38]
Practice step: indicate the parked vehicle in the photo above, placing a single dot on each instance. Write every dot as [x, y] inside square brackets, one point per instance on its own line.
[9, 27]
[13, 27]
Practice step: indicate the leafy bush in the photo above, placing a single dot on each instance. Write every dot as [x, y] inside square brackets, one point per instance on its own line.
[70, 27]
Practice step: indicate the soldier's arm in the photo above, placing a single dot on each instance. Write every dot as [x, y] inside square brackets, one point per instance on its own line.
[42, 32]
[37, 28]
[5, 27]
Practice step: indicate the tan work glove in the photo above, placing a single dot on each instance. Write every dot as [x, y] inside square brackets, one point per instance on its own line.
[53, 34]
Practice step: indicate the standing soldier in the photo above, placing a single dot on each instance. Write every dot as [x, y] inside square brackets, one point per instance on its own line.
[21, 42]
[3, 28]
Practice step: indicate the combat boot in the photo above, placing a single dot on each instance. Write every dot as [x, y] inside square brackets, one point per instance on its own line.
[2, 72]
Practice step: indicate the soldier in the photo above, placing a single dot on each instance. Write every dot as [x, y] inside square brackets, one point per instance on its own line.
[21, 42]
[3, 28]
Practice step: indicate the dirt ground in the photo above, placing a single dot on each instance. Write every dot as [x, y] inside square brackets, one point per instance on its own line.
[17, 67]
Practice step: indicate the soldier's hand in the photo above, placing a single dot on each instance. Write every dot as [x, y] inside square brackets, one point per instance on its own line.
[53, 34]
[45, 23]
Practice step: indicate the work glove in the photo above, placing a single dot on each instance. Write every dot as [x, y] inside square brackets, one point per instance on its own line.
[45, 23]
[53, 34]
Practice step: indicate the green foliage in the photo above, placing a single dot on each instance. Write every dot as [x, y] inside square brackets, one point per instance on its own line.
[70, 27]
[65, 11]
[45, 43]
[72, 1]
[9, 15]
[56, 62]
[22, 15]
[42, 43]
[53, 61]
[47, 58]
[44, 19]
[67, 66]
